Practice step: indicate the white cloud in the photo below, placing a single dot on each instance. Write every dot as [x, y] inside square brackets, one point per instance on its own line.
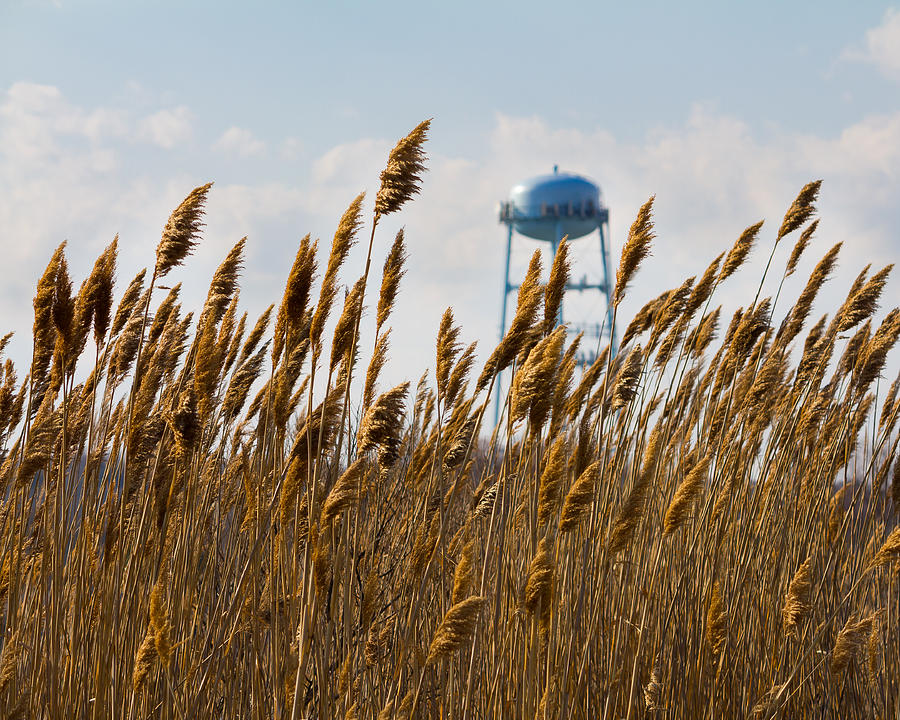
[882, 46]
[240, 141]
[166, 128]
[62, 178]
[291, 148]
[63, 175]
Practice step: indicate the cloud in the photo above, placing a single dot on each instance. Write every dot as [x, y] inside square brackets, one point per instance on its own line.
[291, 147]
[241, 142]
[71, 173]
[68, 172]
[881, 47]
[166, 128]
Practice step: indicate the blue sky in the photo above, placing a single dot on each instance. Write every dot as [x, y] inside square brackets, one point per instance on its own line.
[110, 112]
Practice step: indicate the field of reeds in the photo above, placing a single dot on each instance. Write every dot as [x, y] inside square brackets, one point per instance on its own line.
[205, 515]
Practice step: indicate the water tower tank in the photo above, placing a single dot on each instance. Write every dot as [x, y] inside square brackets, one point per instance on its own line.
[549, 207]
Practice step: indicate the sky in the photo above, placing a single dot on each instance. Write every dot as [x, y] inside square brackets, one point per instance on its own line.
[112, 111]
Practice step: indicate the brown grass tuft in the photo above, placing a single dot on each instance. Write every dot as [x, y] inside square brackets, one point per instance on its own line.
[455, 630]
[181, 231]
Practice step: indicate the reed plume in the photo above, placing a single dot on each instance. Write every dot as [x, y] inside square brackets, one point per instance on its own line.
[800, 210]
[294, 302]
[579, 498]
[381, 425]
[159, 623]
[44, 329]
[343, 241]
[223, 285]
[144, 661]
[716, 620]
[181, 231]
[463, 576]
[460, 444]
[129, 300]
[184, 422]
[862, 303]
[850, 644]
[636, 249]
[345, 491]
[163, 313]
[653, 689]
[391, 275]
[519, 332]
[376, 364]
[448, 349]
[455, 630]
[458, 377]
[96, 296]
[799, 247]
[556, 286]
[345, 329]
[703, 289]
[797, 603]
[819, 275]
[685, 497]
[739, 251]
[534, 378]
[401, 179]
[552, 480]
[889, 552]
[537, 597]
[632, 510]
[8, 659]
[626, 383]
[256, 334]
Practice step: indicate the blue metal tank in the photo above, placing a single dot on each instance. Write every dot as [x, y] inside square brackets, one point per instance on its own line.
[549, 207]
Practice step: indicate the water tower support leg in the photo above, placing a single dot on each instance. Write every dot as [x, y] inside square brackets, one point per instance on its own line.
[607, 281]
[506, 290]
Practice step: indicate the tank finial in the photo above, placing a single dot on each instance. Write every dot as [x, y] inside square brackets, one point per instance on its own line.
[555, 169]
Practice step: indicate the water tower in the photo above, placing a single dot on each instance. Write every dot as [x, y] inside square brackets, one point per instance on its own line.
[549, 208]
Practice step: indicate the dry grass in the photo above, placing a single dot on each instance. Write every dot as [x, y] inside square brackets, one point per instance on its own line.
[683, 529]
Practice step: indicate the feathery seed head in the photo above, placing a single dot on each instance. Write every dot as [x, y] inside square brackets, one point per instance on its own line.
[447, 350]
[455, 630]
[294, 303]
[716, 621]
[797, 603]
[345, 492]
[376, 363]
[381, 425]
[800, 246]
[800, 210]
[401, 179]
[537, 596]
[556, 286]
[862, 303]
[851, 642]
[552, 479]
[579, 498]
[392, 273]
[181, 231]
[627, 380]
[739, 251]
[344, 331]
[129, 299]
[685, 496]
[463, 576]
[636, 249]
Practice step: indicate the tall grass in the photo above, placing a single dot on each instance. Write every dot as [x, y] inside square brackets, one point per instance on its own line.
[212, 523]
